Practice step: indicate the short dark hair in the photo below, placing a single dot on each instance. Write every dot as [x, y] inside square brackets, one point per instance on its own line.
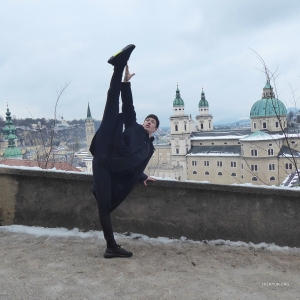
[155, 118]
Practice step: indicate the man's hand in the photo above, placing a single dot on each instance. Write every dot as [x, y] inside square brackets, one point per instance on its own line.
[127, 75]
[149, 178]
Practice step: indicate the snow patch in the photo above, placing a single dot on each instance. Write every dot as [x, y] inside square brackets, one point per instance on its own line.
[65, 233]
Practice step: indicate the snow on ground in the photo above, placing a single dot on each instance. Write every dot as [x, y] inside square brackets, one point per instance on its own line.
[63, 232]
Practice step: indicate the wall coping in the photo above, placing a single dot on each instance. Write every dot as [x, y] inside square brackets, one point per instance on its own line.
[234, 188]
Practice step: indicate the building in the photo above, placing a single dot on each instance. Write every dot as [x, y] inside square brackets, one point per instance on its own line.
[263, 154]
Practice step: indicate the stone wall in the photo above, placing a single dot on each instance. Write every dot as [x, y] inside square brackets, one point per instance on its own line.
[198, 211]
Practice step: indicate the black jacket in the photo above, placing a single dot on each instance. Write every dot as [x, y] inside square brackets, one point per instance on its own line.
[132, 148]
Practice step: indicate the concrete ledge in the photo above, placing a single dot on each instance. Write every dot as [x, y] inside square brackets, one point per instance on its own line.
[164, 208]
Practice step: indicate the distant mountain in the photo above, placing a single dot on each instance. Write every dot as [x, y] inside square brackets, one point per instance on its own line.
[232, 120]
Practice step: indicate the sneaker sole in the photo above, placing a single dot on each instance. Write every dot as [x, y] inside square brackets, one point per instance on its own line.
[124, 49]
[111, 255]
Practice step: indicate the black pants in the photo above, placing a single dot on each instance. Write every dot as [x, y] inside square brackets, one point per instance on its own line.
[106, 187]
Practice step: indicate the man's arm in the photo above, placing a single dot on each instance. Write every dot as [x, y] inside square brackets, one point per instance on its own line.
[144, 178]
[127, 101]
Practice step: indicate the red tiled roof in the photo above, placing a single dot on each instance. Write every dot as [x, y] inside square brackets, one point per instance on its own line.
[42, 164]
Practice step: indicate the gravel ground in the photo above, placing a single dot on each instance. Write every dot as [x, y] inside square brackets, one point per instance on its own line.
[46, 267]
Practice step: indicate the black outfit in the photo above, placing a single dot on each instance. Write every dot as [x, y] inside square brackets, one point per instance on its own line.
[119, 157]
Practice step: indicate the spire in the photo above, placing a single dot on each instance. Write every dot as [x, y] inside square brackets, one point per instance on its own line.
[177, 92]
[89, 115]
[178, 101]
[203, 102]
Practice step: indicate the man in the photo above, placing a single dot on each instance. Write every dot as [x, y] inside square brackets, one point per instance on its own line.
[119, 157]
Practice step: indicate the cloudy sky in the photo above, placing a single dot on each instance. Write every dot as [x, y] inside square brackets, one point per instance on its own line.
[46, 43]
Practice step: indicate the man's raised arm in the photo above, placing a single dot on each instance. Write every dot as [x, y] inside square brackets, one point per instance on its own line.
[127, 101]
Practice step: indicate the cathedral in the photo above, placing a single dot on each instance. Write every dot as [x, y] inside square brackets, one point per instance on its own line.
[263, 154]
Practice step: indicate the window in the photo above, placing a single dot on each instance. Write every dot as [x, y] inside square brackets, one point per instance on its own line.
[186, 150]
[271, 167]
[293, 142]
[177, 151]
[194, 172]
[270, 151]
[176, 127]
[254, 178]
[270, 145]
[253, 152]
[201, 126]
[219, 164]
[225, 143]
[272, 178]
[233, 174]
[206, 173]
[253, 167]
[242, 166]
[233, 164]
[209, 125]
[200, 144]
[254, 125]
[185, 127]
[264, 125]
[276, 124]
[220, 174]
[242, 176]
[194, 163]
[206, 163]
[288, 166]
[212, 143]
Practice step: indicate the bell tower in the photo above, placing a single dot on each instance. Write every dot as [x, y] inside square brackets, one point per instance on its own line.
[180, 133]
[204, 119]
[89, 128]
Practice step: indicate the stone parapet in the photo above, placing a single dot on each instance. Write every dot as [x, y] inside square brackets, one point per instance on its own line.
[198, 211]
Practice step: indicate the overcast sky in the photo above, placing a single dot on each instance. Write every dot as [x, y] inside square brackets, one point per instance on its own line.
[46, 43]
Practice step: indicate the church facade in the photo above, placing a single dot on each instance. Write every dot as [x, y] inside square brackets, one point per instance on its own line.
[263, 154]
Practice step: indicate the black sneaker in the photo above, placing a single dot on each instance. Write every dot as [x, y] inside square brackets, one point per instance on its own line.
[116, 252]
[121, 58]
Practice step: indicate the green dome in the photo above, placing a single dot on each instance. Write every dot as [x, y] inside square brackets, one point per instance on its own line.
[268, 106]
[203, 102]
[178, 101]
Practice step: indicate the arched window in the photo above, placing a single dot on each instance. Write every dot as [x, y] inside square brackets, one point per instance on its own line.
[220, 174]
[272, 178]
[176, 127]
[206, 173]
[254, 178]
[233, 174]
[194, 172]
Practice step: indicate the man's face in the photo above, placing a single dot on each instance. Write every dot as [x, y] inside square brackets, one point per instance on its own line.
[150, 126]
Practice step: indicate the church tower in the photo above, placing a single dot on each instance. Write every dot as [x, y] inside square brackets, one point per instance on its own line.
[180, 134]
[204, 119]
[89, 128]
[9, 132]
